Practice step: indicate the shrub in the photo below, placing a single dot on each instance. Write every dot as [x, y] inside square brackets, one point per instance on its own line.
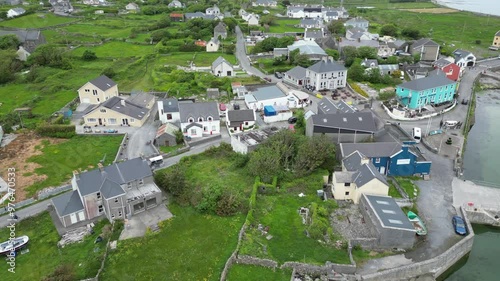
[64, 272]
[358, 89]
[56, 131]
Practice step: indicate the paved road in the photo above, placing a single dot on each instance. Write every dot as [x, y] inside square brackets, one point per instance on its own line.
[26, 212]
[138, 138]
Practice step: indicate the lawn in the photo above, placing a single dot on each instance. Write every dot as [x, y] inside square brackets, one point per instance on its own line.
[393, 192]
[289, 242]
[266, 66]
[168, 149]
[58, 161]
[239, 272]
[408, 186]
[117, 50]
[190, 246]
[36, 21]
[200, 58]
[44, 255]
[285, 25]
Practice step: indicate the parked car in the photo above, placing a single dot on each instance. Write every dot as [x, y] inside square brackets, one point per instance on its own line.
[278, 75]
[459, 225]
[292, 120]
[236, 106]
[268, 79]
[87, 129]
[111, 131]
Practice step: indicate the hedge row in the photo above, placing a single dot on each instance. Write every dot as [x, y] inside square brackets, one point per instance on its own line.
[57, 131]
[253, 201]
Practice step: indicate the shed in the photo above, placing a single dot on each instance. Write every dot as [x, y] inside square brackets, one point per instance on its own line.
[165, 136]
[269, 110]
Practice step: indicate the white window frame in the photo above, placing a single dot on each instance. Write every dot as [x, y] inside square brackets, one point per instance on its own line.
[91, 120]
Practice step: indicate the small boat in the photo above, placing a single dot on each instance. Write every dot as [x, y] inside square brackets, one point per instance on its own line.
[13, 245]
[417, 223]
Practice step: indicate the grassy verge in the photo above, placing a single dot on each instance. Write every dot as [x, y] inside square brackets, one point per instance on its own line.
[191, 246]
[285, 25]
[408, 186]
[240, 272]
[168, 149]
[58, 161]
[393, 192]
[289, 241]
[44, 255]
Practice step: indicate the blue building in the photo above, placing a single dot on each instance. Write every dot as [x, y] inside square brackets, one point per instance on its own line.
[390, 158]
[436, 88]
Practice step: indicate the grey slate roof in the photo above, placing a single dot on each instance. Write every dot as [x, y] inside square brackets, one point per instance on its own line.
[344, 107]
[358, 121]
[316, 34]
[297, 72]
[355, 20]
[307, 47]
[141, 99]
[220, 60]
[434, 80]
[327, 106]
[103, 82]
[214, 40]
[67, 203]
[119, 173]
[355, 43]
[345, 177]
[458, 54]
[308, 21]
[220, 27]
[353, 161]
[423, 42]
[170, 105]
[196, 110]
[440, 63]
[331, 14]
[326, 66]
[366, 173]
[498, 33]
[130, 109]
[269, 92]
[19, 10]
[371, 150]
[368, 62]
[110, 189]
[241, 115]
[30, 39]
[388, 212]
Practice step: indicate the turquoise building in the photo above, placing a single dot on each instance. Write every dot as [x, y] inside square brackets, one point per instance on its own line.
[436, 88]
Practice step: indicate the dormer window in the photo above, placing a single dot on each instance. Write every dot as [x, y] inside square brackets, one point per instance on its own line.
[98, 195]
[190, 120]
[116, 200]
[210, 118]
[200, 119]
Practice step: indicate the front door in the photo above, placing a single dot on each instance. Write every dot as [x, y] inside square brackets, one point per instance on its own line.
[100, 122]
[125, 121]
[167, 143]
[382, 170]
[81, 216]
[73, 218]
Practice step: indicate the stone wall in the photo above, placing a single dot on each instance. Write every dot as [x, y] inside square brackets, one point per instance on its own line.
[366, 243]
[481, 216]
[435, 266]
[243, 259]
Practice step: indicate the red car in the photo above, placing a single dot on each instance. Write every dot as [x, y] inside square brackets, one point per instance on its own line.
[268, 79]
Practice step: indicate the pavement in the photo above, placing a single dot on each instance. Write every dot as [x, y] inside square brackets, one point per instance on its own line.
[139, 223]
[466, 192]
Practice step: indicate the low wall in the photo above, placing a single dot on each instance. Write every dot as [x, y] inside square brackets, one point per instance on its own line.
[483, 216]
[435, 266]
[395, 117]
[203, 140]
[366, 243]
[122, 146]
[243, 259]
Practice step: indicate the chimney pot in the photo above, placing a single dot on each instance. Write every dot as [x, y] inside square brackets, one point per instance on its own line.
[122, 102]
[101, 167]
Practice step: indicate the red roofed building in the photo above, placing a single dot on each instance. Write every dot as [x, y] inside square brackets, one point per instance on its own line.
[176, 17]
[451, 70]
[200, 43]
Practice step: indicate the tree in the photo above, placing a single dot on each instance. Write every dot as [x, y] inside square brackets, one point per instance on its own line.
[173, 180]
[336, 27]
[300, 125]
[9, 65]
[348, 54]
[367, 52]
[411, 33]
[356, 71]
[3, 14]
[389, 30]
[158, 35]
[312, 154]
[267, 19]
[179, 137]
[110, 72]
[285, 3]
[265, 163]
[50, 55]
[373, 75]
[231, 23]
[9, 42]
[88, 55]
[333, 53]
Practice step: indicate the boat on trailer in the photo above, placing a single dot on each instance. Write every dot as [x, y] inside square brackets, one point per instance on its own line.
[13, 245]
[418, 224]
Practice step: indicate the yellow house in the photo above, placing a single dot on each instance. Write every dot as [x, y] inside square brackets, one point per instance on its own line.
[98, 90]
[496, 40]
[117, 112]
[358, 177]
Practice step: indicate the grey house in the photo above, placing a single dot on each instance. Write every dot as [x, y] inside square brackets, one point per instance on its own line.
[220, 31]
[426, 48]
[358, 22]
[392, 227]
[342, 127]
[165, 135]
[30, 39]
[117, 191]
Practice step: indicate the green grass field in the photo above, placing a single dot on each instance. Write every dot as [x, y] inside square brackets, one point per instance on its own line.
[117, 50]
[200, 58]
[393, 192]
[240, 272]
[58, 161]
[190, 246]
[408, 186]
[36, 21]
[289, 243]
[44, 255]
[285, 25]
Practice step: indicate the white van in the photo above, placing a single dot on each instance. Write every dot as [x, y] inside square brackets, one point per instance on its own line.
[156, 160]
[416, 133]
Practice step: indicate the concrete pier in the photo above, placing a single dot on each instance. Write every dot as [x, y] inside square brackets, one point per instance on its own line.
[481, 203]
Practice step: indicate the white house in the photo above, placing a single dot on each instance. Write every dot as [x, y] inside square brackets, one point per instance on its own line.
[268, 96]
[15, 12]
[358, 22]
[311, 23]
[329, 16]
[132, 7]
[176, 4]
[327, 75]
[213, 11]
[464, 58]
[240, 120]
[213, 45]
[313, 12]
[296, 77]
[252, 19]
[199, 119]
[221, 67]
[296, 12]
[168, 110]
[265, 3]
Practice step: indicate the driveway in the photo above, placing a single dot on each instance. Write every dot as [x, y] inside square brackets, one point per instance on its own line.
[139, 223]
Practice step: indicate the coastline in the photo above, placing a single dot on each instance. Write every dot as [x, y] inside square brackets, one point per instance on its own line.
[437, 3]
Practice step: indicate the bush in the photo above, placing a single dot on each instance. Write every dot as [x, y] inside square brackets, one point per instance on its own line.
[358, 89]
[64, 272]
[56, 131]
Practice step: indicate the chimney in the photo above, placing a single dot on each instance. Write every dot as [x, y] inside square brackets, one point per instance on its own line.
[100, 166]
[122, 102]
